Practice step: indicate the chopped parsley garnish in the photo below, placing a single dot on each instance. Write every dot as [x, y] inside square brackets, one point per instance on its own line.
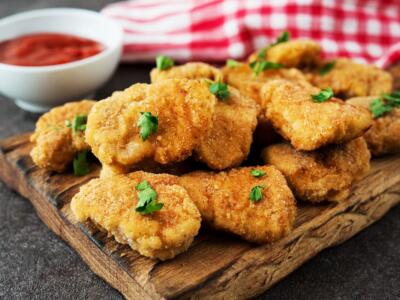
[148, 124]
[284, 37]
[385, 104]
[378, 108]
[257, 173]
[393, 98]
[147, 203]
[323, 96]
[231, 63]
[256, 193]
[78, 123]
[259, 66]
[80, 164]
[164, 62]
[220, 90]
[326, 68]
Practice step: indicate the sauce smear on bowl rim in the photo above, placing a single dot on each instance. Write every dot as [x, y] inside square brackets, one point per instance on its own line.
[47, 49]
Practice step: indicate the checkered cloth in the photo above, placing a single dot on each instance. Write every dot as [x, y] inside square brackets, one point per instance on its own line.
[214, 30]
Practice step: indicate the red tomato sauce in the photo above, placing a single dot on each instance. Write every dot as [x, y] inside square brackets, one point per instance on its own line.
[46, 49]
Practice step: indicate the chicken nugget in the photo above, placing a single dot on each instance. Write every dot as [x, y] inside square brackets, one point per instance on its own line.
[384, 135]
[59, 135]
[112, 204]
[323, 174]
[164, 121]
[291, 54]
[309, 125]
[191, 70]
[243, 78]
[259, 209]
[350, 79]
[228, 143]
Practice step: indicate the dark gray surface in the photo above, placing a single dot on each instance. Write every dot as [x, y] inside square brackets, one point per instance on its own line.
[36, 264]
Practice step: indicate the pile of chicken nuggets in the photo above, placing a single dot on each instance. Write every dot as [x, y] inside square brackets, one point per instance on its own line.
[317, 123]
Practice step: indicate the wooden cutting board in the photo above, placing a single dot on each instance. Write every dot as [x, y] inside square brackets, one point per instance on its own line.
[216, 265]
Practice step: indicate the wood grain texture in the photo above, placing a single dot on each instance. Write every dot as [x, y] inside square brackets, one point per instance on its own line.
[217, 265]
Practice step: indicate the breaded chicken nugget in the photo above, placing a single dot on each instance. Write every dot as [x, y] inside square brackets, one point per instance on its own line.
[324, 174]
[228, 143]
[291, 54]
[242, 78]
[226, 201]
[351, 79]
[384, 135]
[55, 142]
[111, 204]
[309, 125]
[191, 70]
[164, 121]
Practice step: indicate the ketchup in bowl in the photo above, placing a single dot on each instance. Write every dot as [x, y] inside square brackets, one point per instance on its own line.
[46, 49]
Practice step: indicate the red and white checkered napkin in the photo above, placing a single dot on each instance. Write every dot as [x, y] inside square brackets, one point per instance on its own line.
[214, 30]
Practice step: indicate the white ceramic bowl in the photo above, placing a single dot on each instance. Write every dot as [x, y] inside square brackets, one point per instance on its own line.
[37, 89]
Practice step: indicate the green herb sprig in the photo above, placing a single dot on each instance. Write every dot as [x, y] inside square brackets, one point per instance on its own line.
[256, 193]
[147, 203]
[323, 96]
[385, 104]
[80, 164]
[231, 63]
[284, 37]
[148, 124]
[326, 68]
[257, 173]
[164, 62]
[220, 90]
[78, 123]
[259, 66]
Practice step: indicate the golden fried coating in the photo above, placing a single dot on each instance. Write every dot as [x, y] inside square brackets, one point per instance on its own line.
[191, 70]
[384, 135]
[55, 144]
[242, 78]
[185, 111]
[223, 200]
[351, 79]
[309, 125]
[229, 141]
[324, 174]
[110, 203]
[292, 54]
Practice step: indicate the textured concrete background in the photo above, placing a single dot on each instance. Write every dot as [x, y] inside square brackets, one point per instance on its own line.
[36, 264]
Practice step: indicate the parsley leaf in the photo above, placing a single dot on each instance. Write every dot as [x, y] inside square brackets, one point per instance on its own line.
[220, 90]
[259, 66]
[261, 53]
[378, 108]
[78, 123]
[326, 68]
[323, 96]
[256, 193]
[164, 62]
[396, 93]
[231, 63]
[284, 37]
[143, 185]
[147, 203]
[148, 124]
[393, 98]
[385, 104]
[80, 164]
[257, 173]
